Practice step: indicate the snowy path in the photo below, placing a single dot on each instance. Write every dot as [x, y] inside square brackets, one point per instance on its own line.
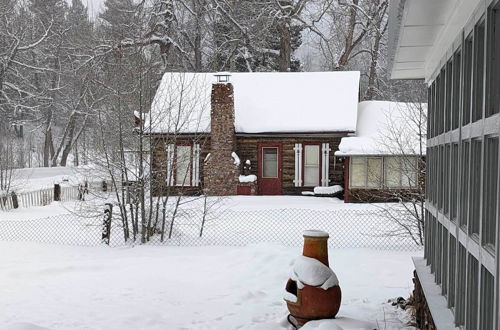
[146, 287]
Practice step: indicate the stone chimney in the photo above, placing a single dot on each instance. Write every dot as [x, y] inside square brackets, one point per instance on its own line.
[221, 174]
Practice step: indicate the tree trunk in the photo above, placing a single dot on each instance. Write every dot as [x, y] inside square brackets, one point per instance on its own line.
[285, 47]
[375, 54]
[70, 126]
[372, 76]
[67, 147]
[197, 40]
[47, 146]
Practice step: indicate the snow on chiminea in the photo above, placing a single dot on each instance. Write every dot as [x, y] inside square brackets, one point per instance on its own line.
[221, 172]
[313, 290]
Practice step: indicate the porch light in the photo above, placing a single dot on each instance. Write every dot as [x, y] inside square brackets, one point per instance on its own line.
[222, 77]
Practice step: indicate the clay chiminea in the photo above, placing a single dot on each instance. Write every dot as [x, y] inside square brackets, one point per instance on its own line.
[313, 291]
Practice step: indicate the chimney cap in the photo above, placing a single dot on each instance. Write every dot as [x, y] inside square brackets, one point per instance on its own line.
[315, 233]
[222, 77]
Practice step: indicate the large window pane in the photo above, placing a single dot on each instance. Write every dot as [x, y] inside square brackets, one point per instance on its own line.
[448, 88]
[490, 184]
[467, 77]
[494, 62]
[477, 110]
[454, 182]
[461, 287]
[451, 272]
[183, 166]
[440, 177]
[409, 174]
[374, 172]
[270, 162]
[487, 299]
[311, 165]
[457, 58]
[446, 179]
[392, 166]
[464, 183]
[358, 172]
[472, 292]
[475, 191]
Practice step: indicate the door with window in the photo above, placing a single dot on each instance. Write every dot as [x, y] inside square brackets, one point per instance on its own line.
[270, 172]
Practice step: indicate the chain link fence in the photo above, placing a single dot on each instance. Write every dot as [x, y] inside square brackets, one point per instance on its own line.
[372, 228]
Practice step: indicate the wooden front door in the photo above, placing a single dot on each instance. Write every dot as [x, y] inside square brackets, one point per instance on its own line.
[270, 169]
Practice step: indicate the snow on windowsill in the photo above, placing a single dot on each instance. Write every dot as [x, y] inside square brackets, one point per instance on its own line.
[247, 178]
[328, 190]
[324, 191]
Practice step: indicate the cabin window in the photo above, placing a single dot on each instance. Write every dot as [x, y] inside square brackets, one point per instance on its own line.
[183, 166]
[366, 172]
[388, 172]
[311, 165]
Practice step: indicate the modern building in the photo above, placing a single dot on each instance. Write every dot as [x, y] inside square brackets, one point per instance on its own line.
[455, 46]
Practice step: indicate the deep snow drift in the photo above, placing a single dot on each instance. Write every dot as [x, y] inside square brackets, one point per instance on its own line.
[145, 287]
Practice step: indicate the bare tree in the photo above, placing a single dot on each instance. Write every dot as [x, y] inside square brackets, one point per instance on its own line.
[405, 139]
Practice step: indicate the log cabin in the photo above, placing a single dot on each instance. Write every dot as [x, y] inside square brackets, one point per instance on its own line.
[250, 133]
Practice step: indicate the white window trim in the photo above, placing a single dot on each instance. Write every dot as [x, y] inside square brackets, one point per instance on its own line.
[324, 168]
[325, 164]
[298, 165]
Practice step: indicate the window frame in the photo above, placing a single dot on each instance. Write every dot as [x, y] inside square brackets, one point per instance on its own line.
[479, 71]
[190, 166]
[383, 184]
[277, 163]
[493, 60]
[320, 160]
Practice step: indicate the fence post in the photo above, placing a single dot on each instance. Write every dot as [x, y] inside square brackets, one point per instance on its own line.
[15, 202]
[57, 192]
[81, 192]
[106, 225]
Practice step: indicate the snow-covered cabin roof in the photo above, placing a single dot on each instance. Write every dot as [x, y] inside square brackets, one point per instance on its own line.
[386, 128]
[270, 102]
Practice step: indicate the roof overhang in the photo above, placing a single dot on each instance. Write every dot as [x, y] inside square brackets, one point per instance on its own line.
[421, 32]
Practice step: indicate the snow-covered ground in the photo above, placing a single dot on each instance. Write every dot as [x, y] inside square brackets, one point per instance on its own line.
[252, 203]
[38, 212]
[36, 178]
[146, 287]
[189, 287]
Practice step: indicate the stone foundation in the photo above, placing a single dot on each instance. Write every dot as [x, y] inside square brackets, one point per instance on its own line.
[423, 315]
